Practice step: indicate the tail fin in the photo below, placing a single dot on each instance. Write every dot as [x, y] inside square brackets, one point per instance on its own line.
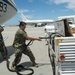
[23, 17]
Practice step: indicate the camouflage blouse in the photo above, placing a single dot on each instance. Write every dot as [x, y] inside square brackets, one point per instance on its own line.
[19, 39]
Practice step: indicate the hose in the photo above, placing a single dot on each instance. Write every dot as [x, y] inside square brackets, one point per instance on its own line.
[18, 66]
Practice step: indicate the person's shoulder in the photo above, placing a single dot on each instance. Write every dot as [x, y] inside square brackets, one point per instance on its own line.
[20, 31]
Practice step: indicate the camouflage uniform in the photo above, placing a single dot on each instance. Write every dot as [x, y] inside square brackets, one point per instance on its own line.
[20, 47]
[2, 47]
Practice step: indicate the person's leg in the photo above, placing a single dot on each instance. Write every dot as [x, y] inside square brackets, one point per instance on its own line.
[18, 55]
[46, 35]
[29, 53]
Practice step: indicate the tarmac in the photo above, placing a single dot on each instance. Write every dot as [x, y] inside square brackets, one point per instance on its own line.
[39, 49]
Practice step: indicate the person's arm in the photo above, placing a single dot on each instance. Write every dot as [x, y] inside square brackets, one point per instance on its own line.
[32, 38]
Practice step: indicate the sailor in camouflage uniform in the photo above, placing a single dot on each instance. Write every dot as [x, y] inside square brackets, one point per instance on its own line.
[20, 46]
[2, 46]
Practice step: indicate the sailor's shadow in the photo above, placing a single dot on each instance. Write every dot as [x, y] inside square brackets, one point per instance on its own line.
[29, 64]
[10, 51]
[26, 64]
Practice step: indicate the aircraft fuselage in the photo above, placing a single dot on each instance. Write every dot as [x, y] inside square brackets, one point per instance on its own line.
[7, 10]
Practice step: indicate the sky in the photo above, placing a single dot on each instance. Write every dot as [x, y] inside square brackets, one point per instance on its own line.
[42, 9]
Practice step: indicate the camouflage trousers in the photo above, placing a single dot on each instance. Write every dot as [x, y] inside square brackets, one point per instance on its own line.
[18, 55]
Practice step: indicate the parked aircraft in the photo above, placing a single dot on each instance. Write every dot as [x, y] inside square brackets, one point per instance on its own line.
[35, 22]
[7, 10]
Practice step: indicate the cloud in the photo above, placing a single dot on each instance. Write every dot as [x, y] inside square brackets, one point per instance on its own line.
[22, 10]
[26, 11]
[29, 16]
[70, 3]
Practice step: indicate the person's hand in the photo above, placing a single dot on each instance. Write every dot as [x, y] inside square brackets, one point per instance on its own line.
[39, 39]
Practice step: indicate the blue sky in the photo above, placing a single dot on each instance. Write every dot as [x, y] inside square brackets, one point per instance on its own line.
[42, 9]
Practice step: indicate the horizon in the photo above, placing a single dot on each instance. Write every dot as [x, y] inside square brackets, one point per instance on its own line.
[42, 9]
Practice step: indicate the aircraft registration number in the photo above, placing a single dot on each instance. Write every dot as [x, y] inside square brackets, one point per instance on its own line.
[3, 7]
